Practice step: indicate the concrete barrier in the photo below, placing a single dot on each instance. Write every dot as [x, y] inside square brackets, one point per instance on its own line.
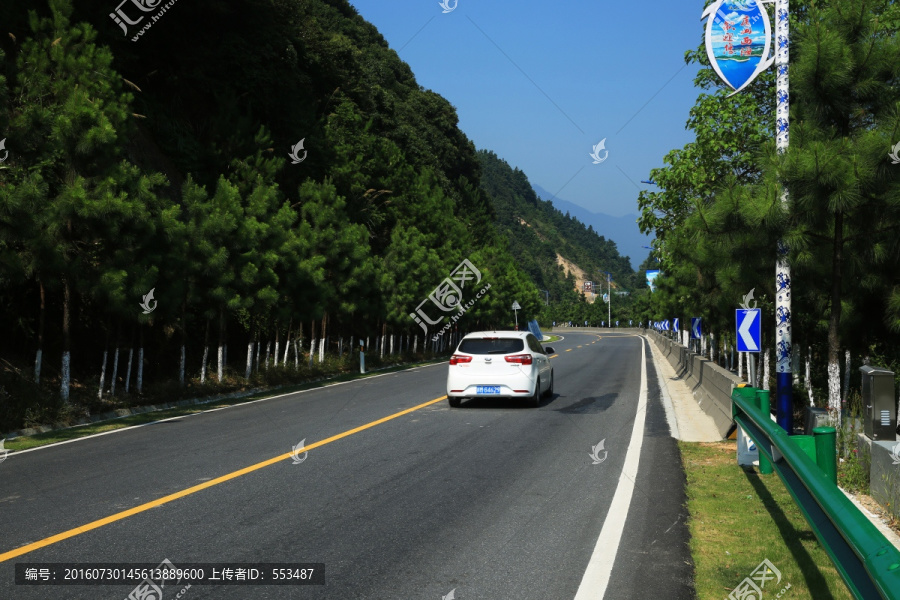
[710, 383]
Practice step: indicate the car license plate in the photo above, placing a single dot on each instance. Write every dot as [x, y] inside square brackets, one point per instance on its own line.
[487, 389]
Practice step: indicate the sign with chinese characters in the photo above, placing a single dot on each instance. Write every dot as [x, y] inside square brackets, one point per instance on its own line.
[738, 39]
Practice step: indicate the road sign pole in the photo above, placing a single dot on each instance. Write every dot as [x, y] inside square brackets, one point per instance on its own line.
[783, 379]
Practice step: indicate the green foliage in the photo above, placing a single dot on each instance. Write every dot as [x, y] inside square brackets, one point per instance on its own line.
[175, 180]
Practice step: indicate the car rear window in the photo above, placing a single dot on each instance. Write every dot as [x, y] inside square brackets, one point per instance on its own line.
[492, 345]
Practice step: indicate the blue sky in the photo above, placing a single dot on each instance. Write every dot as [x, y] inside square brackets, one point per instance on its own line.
[541, 83]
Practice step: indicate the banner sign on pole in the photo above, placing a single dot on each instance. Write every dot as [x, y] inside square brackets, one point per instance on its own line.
[738, 40]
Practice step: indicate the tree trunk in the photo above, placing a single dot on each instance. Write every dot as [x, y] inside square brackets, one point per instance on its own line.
[103, 374]
[38, 358]
[220, 369]
[809, 389]
[834, 321]
[249, 368]
[67, 343]
[181, 363]
[140, 361]
[287, 343]
[205, 354]
[257, 353]
[115, 371]
[846, 380]
[130, 357]
[277, 345]
[312, 343]
[765, 379]
[324, 338]
[103, 366]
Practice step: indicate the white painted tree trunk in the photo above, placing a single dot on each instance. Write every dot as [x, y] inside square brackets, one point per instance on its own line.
[341, 347]
[256, 353]
[296, 356]
[249, 368]
[128, 370]
[276, 353]
[220, 369]
[287, 346]
[765, 379]
[268, 353]
[37, 365]
[202, 368]
[809, 389]
[759, 370]
[65, 376]
[834, 387]
[312, 351]
[115, 373]
[181, 366]
[392, 344]
[102, 375]
[740, 365]
[322, 346]
[140, 370]
[224, 358]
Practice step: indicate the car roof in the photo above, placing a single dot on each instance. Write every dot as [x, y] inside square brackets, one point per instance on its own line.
[498, 334]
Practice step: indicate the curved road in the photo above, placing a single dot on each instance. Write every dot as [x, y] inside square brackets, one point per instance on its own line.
[492, 500]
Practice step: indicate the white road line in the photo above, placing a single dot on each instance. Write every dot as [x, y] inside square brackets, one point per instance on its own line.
[596, 576]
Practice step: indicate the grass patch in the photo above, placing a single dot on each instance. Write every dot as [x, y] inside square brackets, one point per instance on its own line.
[738, 518]
[71, 433]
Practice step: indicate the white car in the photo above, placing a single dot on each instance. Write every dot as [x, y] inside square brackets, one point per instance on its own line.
[504, 364]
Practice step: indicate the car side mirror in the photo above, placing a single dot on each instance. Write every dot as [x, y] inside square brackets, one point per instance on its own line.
[549, 350]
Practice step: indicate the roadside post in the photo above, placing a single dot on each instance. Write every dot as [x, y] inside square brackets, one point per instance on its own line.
[516, 308]
[739, 47]
[362, 358]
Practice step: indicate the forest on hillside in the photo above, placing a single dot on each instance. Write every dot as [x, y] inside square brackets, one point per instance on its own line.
[239, 193]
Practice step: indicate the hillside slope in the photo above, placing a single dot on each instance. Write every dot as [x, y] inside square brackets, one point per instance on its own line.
[542, 239]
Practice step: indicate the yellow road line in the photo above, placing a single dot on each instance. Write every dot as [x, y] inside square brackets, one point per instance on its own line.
[569, 350]
[554, 356]
[194, 489]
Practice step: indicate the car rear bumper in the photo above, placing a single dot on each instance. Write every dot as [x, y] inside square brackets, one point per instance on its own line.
[510, 386]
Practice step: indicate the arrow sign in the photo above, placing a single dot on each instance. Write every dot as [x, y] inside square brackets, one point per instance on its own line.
[696, 328]
[748, 329]
[675, 326]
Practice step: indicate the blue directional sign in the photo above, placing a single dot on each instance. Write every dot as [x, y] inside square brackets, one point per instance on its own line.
[747, 323]
[696, 328]
[666, 325]
[675, 326]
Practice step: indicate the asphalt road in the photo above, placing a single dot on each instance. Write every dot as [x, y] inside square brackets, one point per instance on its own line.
[492, 500]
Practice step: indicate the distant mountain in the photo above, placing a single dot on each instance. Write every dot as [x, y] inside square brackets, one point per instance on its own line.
[623, 231]
[558, 252]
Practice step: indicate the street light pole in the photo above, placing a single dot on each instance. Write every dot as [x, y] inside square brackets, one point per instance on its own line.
[783, 376]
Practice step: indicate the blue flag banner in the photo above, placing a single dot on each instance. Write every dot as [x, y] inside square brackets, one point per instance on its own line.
[535, 330]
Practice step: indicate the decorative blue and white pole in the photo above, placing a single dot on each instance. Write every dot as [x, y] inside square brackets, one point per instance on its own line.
[738, 38]
[784, 412]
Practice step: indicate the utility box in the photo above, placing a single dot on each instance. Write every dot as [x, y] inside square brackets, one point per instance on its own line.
[816, 417]
[879, 403]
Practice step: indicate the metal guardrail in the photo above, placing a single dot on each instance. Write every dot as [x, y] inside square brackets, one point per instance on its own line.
[867, 561]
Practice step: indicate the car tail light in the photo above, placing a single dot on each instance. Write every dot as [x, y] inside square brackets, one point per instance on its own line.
[521, 359]
[459, 358]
